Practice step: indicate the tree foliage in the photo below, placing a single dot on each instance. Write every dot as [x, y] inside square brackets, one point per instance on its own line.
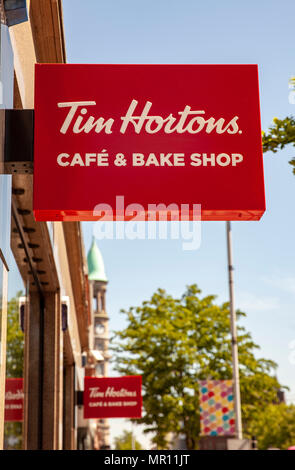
[274, 426]
[173, 343]
[15, 340]
[14, 366]
[124, 442]
[280, 134]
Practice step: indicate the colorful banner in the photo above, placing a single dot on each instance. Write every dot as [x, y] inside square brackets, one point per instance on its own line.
[14, 400]
[217, 408]
[112, 397]
[119, 141]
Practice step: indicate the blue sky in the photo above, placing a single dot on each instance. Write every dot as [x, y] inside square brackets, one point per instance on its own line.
[169, 31]
[188, 31]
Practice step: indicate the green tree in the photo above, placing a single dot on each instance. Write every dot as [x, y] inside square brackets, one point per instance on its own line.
[124, 442]
[173, 343]
[280, 134]
[14, 366]
[15, 340]
[274, 426]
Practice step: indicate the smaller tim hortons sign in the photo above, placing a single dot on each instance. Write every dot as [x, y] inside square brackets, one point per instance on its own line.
[112, 397]
[126, 141]
[14, 400]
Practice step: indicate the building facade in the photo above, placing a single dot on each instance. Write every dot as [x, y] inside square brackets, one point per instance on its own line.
[99, 334]
[49, 255]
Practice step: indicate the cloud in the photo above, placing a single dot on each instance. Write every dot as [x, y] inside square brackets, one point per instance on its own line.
[286, 284]
[246, 301]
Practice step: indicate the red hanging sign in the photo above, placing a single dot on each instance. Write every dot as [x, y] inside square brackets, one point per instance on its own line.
[14, 400]
[113, 140]
[112, 397]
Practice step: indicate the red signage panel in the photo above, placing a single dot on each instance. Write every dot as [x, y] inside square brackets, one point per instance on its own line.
[14, 400]
[112, 397]
[116, 135]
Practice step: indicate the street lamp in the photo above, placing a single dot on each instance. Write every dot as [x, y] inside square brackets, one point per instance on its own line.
[234, 341]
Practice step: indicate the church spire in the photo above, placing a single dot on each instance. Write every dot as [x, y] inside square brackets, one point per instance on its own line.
[96, 271]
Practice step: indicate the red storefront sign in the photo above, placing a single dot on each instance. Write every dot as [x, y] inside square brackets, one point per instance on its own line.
[116, 135]
[14, 400]
[112, 397]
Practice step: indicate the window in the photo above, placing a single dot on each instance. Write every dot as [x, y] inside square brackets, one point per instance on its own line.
[99, 344]
[99, 369]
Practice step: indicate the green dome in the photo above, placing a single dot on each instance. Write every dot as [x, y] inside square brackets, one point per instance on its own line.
[95, 262]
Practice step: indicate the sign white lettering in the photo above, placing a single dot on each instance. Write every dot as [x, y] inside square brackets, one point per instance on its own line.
[188, 120]
[110, 392]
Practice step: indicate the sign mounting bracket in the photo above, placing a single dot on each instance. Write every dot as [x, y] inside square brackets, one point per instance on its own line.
[17, 153]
